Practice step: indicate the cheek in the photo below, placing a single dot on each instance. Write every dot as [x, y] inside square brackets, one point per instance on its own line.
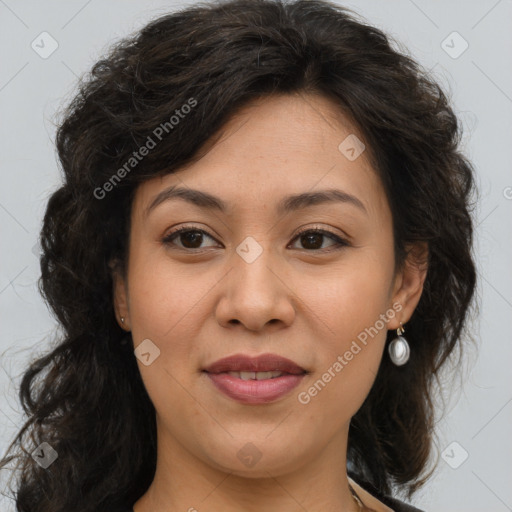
[353, 296]
[350, 305]
[165, 297]
[166, 301]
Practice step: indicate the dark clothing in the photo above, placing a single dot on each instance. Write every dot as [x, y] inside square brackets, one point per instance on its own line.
[393, 503]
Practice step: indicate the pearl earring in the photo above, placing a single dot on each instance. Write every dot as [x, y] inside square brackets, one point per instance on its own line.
[398, 349]
[122, 319]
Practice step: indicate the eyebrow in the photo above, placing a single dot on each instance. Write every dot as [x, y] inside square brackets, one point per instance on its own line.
[286, 205]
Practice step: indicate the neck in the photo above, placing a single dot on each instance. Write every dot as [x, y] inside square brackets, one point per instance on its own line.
[185, 482]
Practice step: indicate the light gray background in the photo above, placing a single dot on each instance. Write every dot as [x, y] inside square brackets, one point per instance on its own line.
[478, 415]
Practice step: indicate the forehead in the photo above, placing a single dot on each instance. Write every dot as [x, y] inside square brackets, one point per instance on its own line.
[277, 146]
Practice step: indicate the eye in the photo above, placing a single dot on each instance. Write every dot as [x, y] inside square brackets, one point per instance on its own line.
[190, 237]
[314, 237]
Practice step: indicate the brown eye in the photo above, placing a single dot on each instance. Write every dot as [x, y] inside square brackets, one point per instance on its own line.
[189, 238]
[312, 239]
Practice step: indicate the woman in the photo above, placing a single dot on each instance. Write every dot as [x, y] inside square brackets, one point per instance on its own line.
[261, 258]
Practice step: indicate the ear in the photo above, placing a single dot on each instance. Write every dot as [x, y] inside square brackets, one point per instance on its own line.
[120, 296]
[408, 284]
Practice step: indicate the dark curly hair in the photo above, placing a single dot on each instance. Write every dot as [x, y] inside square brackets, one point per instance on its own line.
[86, 397]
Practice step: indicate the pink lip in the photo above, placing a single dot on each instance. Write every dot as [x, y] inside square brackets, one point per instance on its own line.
[255, 391]
[261, 363]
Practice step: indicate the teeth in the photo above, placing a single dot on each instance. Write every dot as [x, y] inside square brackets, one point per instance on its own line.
[256, 375]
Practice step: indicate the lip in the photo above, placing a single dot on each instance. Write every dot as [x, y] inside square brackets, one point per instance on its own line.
[261, 363]
[255, 391]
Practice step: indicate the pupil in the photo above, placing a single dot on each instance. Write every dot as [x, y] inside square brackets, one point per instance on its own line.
[191, 235]
[313, 236]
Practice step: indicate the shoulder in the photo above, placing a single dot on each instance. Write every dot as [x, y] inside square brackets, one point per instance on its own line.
[373, 498]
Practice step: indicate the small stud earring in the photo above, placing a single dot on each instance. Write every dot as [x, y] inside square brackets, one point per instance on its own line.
[122, 319]
[398, 349]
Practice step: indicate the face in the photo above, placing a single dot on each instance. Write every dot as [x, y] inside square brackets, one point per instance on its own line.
[314, 283]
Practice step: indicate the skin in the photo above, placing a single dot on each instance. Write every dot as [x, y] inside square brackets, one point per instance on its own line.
[303, 301]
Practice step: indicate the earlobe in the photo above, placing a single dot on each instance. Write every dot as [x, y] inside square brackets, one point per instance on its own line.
[409, 283]
[120, 297]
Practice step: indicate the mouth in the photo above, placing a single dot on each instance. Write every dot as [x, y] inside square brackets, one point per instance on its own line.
[257, 375]
[255, 380]
[264, 366]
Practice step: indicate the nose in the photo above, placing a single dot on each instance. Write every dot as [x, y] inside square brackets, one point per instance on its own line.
[256, 293]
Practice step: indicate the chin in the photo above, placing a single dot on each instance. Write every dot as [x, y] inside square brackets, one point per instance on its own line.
[256, 459]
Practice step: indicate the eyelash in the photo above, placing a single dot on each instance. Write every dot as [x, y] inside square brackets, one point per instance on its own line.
[340, 242]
